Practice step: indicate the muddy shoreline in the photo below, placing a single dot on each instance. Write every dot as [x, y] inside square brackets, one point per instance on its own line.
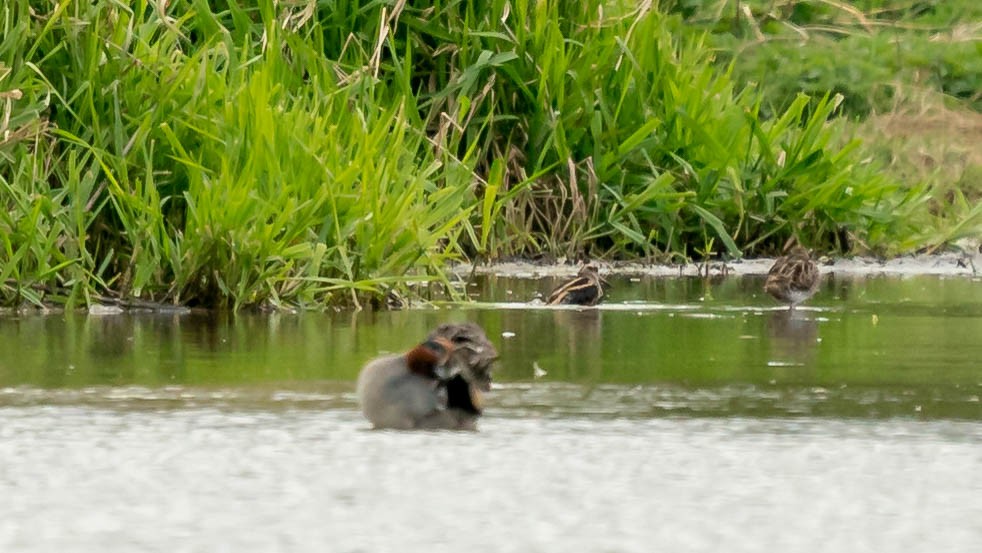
[948, 264]
[943, 264]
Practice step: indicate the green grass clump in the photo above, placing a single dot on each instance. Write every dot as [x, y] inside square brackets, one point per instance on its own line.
[227, 173]
[640, 144]
[873, 52]
[207, 153]
[936, 144]
[909, 72]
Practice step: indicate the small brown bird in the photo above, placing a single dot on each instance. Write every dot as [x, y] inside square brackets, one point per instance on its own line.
[793, 278]
[586, 289]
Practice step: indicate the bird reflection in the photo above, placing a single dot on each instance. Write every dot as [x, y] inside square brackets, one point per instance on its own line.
[794, 336]
[110, 337]
[582, 329]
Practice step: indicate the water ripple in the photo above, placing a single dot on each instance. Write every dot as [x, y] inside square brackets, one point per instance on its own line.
[86, 478]
[551, 399]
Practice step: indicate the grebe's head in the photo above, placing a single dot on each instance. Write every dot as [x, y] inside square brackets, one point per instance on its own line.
[472, 354]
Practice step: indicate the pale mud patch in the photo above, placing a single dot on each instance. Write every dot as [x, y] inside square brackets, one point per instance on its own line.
[942, 264]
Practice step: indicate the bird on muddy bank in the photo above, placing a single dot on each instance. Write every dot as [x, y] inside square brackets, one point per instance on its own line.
[587, 288]
[428, 387]
[793, 278]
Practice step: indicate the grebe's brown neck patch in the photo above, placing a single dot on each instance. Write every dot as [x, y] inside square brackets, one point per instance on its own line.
[424, 358]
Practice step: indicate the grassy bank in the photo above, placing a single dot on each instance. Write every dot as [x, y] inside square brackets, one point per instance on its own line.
[909, 72]
[294, 154]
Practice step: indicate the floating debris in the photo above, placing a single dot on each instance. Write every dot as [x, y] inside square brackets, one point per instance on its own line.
[99, 309]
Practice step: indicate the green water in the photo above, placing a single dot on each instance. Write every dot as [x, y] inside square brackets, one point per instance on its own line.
[862, 347]
[853, 425]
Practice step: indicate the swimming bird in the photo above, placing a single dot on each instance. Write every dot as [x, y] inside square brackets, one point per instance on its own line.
[793, 278]
[586, 289]
[403, 391]
[472, 358]
[435, 385]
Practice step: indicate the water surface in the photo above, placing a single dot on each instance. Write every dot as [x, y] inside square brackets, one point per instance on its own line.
[684, 414]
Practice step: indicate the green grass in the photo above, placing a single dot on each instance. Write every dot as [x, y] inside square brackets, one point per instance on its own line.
[932, 143]
[227, 175]
[873, 52]
[308, 155]
[909, 72]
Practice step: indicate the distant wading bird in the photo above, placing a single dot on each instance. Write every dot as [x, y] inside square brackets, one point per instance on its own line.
[435, 385]
[586, 289]
[793, 278]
